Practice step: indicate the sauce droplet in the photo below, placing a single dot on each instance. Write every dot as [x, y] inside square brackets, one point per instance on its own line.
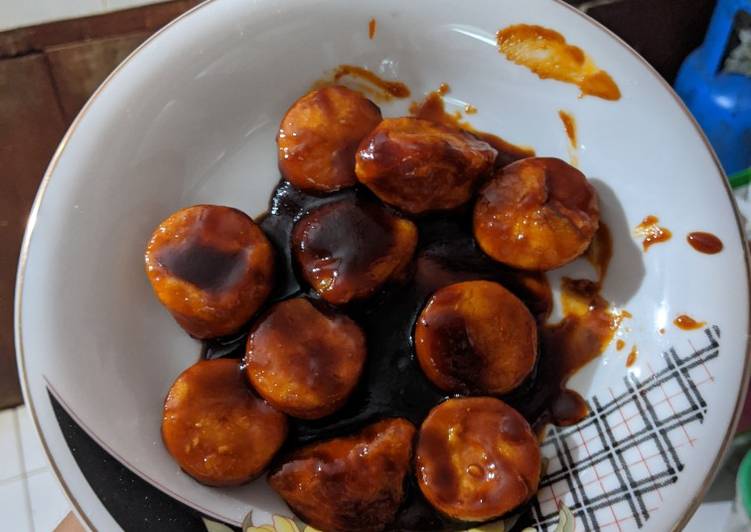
[687, 323]
[705, 242]
[632, 356]
[443, 89]
[397, 89]
[620, 344]
[371, 28]
[546, 53]
[470, 109]
[651, 232]
[661, 330]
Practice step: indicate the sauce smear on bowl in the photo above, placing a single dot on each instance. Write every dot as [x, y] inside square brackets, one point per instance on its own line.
[397, 89]
[433, 108]
[546, 53]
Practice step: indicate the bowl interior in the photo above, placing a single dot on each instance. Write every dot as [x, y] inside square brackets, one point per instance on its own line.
[191, 118]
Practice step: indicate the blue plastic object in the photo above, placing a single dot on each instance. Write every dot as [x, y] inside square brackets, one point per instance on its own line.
[721, 102]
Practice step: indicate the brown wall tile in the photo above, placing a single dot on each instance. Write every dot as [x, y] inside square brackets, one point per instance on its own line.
[32, 126]
[146, 18]
[79, 68]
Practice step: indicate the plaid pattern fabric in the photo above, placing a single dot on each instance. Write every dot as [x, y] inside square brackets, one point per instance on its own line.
[609, 468]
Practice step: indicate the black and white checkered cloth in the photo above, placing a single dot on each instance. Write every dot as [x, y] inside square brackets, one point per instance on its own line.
[609, 468]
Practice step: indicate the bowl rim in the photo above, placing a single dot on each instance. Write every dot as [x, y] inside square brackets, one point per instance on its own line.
[32, 219]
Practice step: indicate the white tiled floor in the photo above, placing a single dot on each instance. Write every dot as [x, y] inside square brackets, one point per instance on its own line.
[30, 497]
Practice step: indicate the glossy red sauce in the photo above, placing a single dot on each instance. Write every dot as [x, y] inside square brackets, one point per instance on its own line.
[705, 242]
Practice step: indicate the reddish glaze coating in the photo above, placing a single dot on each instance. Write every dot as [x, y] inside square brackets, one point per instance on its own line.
[212, 267]
[318, 137]
[536, 214]
[348, 484]
[476, 458]
[476, 337]
[420, 166]
[303, 360]
[346, 250]
[216, 428]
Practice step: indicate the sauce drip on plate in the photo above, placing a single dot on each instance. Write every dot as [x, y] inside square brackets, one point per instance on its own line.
[432, 108]
[546, 53]
[651, 232]
[396, 89]
[632, 356]
[372, 26]
[687, 323]
[705, 242]
[569, 124]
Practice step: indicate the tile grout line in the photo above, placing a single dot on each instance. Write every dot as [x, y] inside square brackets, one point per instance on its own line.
[24, 479]
[28, 474]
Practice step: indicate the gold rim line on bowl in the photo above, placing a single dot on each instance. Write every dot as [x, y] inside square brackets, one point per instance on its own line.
[31, 223]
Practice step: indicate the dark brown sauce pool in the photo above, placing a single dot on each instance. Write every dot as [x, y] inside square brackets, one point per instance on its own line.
[393, 384]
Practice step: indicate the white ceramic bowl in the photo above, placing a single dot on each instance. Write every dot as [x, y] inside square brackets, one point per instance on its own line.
[191, 117]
